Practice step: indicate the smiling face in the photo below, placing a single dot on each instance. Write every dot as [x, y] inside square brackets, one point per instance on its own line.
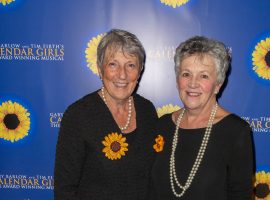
[120, 73]
[197, 82]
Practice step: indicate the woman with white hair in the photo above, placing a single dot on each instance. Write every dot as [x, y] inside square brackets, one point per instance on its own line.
[207, 152]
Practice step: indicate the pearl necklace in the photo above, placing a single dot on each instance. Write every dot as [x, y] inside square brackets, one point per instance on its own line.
[129, 109]
[196, 164]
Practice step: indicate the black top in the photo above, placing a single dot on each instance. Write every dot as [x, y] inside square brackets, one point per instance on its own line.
[82, 171]
[226, 170]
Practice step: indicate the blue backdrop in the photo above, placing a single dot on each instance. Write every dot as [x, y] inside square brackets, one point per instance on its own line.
[47, 61]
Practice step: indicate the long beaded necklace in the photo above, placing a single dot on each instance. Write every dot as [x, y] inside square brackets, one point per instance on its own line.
[129, 109]
[200, 155]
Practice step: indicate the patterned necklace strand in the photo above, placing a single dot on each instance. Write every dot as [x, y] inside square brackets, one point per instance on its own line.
[200, 155]
[129, 109]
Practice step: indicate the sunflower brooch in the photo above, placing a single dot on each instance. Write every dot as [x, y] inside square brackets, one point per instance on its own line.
[14, 121]
[115, 146]
[262, 186]
[158, 146]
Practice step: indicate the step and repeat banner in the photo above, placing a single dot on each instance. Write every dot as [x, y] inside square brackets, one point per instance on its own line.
[48, 61]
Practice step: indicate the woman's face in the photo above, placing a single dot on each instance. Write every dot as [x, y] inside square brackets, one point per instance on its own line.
[120, 73]
[197, 81]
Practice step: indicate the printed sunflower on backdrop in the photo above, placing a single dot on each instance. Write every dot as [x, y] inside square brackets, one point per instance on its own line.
[6, 2]
[91, 53]
[14, 121]
[174, 3]
[166, 109]
[261, 59]
[262, 186]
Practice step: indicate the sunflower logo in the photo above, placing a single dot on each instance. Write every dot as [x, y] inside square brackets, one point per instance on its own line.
[5, 2]
[262, 186]
[14, 121]
[174, 3]
[91, 53]
[261, 59]
[158, 146]
[115, 146]
[167, 109]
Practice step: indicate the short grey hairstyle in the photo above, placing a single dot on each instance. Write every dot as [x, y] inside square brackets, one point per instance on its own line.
[201, 46]
[125, 41]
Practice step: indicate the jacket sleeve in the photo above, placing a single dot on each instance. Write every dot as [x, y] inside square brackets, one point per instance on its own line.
[241, 166]
[151, 193]
[70, 155]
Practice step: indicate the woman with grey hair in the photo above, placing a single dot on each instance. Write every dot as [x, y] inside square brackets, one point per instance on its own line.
[206, 151]
[104, 149]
